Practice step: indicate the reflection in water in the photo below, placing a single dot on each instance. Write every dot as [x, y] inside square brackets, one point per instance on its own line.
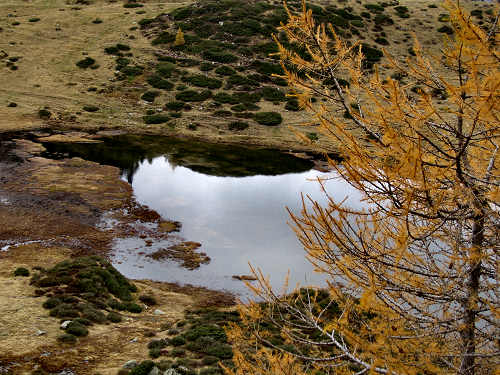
[239, 220]
[230, 199]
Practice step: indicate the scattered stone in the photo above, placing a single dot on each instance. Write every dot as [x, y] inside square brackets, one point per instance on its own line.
[159, 312]
[134, 339]
[64, 324]
[171, 371]
[130, 364]
[154, 371]
[40, 332]
[244, 277]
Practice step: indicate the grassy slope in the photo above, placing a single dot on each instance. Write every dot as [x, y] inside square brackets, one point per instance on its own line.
[47, 75]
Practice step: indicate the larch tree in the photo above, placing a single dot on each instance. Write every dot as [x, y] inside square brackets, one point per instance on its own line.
[413, 276]
[179, 38]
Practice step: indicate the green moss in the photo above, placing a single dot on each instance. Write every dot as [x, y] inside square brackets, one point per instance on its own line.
[268, 118]
[21, 271]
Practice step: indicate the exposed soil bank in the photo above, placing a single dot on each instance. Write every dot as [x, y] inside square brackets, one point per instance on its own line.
[51, 210]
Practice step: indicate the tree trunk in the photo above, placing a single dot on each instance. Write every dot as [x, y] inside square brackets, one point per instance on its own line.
[470, 304]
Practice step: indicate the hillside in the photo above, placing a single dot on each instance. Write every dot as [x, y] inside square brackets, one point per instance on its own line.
[103, 65]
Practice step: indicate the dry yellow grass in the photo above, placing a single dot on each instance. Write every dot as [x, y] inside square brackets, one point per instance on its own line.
[47, 75]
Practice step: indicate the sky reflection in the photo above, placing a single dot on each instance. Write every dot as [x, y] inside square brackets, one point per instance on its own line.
[238, 220]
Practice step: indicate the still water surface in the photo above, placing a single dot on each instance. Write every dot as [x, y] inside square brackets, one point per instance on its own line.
[235, 207]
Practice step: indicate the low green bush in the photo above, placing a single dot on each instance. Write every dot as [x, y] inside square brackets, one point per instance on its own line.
[382, 41]
[85, 63]
[292, 104]
[144, 368]
[34, 19]
[150, 96]
[21, 271]
[164, 38]
[238, 125]
[223, 97]
[112, 50]
[114, 317]
[175, 105]
[133, 5]
[90, 108]
[205, 67]
[51, 302]
[272, 94]
[357, 23]
[225, 70]
[158, 82]
[93, 315]
[201, 80]
[67, 338]
[193, 96]
[76, 329]
[268, 118]
[132, 71]
[383, 19]
[446, 30]
[165, 69]
[217, 56]
[177, 341]
[223, 113]
[148, 119]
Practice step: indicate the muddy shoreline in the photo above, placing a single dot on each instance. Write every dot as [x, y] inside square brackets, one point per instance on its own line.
[51, 210]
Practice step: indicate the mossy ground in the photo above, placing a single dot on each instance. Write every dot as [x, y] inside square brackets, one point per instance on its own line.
[44, 54]
[49, 201]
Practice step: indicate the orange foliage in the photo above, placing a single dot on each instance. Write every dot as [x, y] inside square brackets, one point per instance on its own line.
[414, 277]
